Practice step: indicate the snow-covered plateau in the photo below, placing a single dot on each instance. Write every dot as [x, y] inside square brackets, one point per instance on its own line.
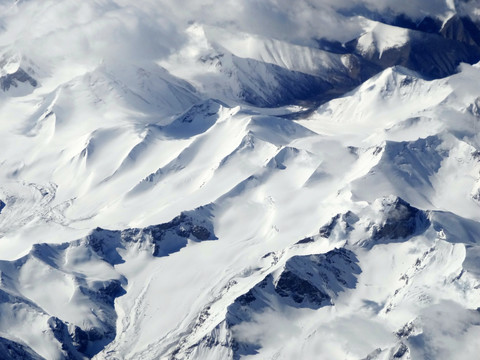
[241, 179]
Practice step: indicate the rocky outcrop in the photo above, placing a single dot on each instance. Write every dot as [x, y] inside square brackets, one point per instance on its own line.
[345, 221]
[11, 350]
[400, 220]
[164, 239]
[311, 281]
[12, 80]
[85, 338]
[388, 219]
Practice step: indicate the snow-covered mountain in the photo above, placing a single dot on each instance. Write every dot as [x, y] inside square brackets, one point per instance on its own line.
[239, 179]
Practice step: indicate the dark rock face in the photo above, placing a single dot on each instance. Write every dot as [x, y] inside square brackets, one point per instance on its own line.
[110, 291]
[60, 332]
[246, 299]
[300, 290]
[414, 162]
[335, 47]
[433, 50]
[461, 29]
[401, 221]
[80, 341]
[326, 230]
[105, 243]
[200, 232]
[11, 350]
[428, 25]
[438, 57]
[13, 79]
[400, 351]
[166, 238]
[346, 221]
[305, 240]
[406, 330]
[311, 281]
[172, 236]
[430, 55]
[398, 222]
[306, 281]
[284, 86]
[2, 206]
[106, 292]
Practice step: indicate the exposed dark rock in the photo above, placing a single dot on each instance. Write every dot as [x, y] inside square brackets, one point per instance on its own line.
[406, 330]
[430, 55]
[60, 332]
[474, 108]
[400, 221]
[165, 238]
[305, 241]
[335, 47]
[246, 299]
[95, 334]
[346, 221]
[200, 232]
[105, 243]
[204, 109]
[401, 350]
[373, 355]
[268, 255]
[284, 86]
[172, 236]
[476, 195]
[310, 281]
[182, 232]
[438, 57]
[2, 206]
[433, 50]
[241, 349]
[300, 290]
[85, 341]
[13, 79]
[326, 230]
[11, 350]
[461, 29]
[110, 291]
[79, 339]
[429, 25]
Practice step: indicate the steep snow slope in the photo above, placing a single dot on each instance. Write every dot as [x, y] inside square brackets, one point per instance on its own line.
[178, 182]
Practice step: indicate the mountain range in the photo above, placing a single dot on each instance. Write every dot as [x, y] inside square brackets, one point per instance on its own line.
[239, 180]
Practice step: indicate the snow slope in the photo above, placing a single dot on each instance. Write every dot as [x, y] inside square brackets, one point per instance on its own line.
[178, 182]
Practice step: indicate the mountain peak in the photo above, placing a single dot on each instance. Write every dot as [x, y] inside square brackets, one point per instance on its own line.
[239, 180]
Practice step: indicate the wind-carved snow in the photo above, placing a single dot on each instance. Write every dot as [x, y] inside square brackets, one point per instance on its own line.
[305, 282]
[67, 291]
[343, 278]
[311, 281]
[382, 37]
[330, 154]
[294, 57]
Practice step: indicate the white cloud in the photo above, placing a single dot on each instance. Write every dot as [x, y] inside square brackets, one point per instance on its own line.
[153, 29]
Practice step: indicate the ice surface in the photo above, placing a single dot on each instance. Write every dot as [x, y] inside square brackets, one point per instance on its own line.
[254, 180]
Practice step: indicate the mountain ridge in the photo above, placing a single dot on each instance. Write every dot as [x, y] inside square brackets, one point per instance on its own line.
[239, 181]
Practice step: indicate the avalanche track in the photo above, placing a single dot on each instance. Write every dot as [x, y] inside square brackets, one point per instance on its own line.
[239, 180]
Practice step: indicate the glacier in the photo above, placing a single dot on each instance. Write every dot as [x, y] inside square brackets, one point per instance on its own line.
[239, 180]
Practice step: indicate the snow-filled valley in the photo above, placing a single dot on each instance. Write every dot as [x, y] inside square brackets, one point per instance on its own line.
[239, 180]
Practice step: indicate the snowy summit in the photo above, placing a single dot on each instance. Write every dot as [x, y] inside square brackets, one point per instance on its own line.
[246, 179]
